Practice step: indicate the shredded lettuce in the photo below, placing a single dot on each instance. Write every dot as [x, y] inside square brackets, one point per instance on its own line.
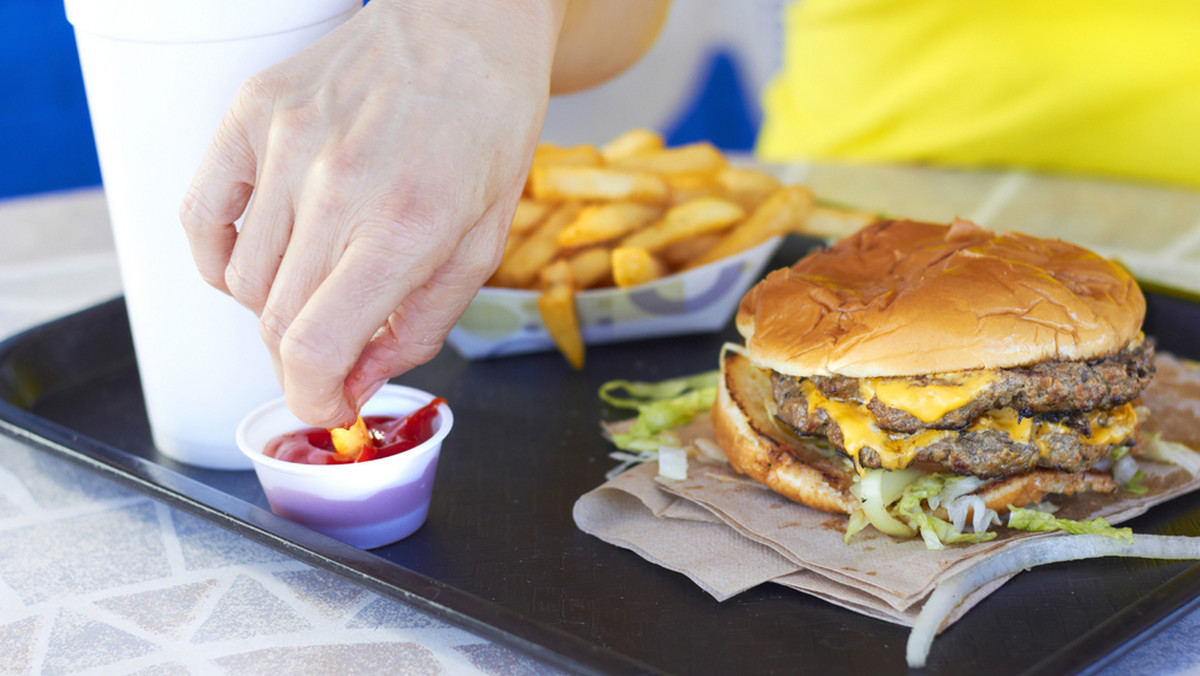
[936, 532]
[1034, 521]
[638, 393]
[1135, 485]
[656, 418]
[661, 407]
[858, 521]
[905, 500]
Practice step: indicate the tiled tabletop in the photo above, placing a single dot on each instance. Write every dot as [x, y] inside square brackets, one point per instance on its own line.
[98, 579]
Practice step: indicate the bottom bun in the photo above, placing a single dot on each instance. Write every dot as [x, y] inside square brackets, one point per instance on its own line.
[765, 451]
[800, 470]
[1030, 488]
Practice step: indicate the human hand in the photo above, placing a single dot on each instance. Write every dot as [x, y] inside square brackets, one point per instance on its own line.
[377, 171]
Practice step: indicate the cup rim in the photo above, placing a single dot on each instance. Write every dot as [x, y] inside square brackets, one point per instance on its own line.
[444, 420]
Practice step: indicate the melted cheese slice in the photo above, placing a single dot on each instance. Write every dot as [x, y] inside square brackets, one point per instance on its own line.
[897, 450]
[1107, 427]
[927, 402]
[1006, 420]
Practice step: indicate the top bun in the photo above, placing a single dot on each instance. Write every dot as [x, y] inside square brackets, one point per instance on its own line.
[902, 298]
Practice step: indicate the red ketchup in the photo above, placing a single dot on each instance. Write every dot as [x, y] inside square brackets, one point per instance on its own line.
[314, 446]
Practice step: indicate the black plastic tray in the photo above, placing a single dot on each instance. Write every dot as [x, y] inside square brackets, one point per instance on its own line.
[501, 556]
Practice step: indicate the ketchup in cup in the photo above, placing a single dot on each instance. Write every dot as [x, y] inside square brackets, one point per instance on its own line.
[388, 436]
[368, 485]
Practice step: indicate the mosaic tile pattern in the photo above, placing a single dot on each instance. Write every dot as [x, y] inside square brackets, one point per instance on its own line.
[97, 578]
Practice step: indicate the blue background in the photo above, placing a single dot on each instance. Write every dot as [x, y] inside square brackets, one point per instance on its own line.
[45, 135]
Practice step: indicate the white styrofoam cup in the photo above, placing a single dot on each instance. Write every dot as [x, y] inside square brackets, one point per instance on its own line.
[159, 76]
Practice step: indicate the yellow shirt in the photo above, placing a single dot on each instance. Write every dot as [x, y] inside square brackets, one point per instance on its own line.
[1090, 86]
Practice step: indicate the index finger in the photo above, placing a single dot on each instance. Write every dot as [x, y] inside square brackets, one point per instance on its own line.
[329, 332]
[222, 186]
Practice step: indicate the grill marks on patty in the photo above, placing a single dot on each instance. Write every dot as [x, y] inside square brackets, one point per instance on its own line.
[1059, 391]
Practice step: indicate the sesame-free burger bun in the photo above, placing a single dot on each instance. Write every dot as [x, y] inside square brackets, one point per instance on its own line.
[954, 298]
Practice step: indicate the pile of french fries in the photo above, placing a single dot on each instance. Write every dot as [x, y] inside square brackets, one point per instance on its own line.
[634, 210]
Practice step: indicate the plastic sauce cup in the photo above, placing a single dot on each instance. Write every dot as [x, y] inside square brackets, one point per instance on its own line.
[367, 504]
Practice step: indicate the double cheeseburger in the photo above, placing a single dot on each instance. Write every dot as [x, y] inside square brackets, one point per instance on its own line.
[921, 348]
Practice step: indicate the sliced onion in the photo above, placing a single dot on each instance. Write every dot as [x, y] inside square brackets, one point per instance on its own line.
[710, 450]
[1174, 453]
[893, 482]
[1124, 470]
[983, 518]
[958, 487]
[879, 488]
[957, 511]
[1025, 555]
[672, 463]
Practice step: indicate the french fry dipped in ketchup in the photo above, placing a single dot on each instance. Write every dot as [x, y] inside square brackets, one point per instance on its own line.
[354, 442]
[369, 438]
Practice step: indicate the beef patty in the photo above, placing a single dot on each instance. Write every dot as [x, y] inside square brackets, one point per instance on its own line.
[1057, 391]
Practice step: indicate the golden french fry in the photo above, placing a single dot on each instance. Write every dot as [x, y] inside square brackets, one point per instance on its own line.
[353, 440]
[779, 214]
[682, 253]
[519, 269]
[582, 155]
[834, 223]
[631, 143]
[591, 267]
[556, 183]
[688, 187]
[748, 187]
[558, 272]
[548, 154]
[529, 214]
[697, 217]
[603, 222]
[557, 308]
[633, 210]
[693, 158]
[635, 265]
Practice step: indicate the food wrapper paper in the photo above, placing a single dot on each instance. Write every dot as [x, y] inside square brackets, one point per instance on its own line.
[728, 534]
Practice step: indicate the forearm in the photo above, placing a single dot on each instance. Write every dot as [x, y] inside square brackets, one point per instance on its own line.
[600, 39]
[591, 41]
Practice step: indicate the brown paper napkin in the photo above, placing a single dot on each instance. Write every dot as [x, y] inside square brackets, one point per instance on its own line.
[729, 534]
